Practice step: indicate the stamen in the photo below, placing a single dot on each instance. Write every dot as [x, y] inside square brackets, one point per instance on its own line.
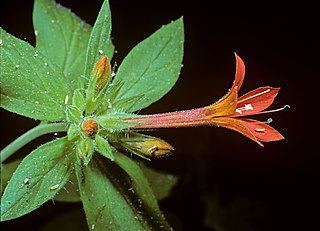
[276, 110]
[261, 93]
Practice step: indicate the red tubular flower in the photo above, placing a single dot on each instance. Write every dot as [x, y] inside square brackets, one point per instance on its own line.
[228, 112]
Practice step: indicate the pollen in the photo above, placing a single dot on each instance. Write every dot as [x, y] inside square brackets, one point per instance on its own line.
[89, 127]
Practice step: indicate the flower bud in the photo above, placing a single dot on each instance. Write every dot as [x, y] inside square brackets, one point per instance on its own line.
[102, 70]
[89, 127]
[147, 145]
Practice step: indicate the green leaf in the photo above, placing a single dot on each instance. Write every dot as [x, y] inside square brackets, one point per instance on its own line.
[142, 189]
[31, 85]
[37, 179]
[100, 42]
[6, 172]
[111, 202]
[61, 36]
[161, 182]
[153, 66]
[70, 191]
[127, 104]
[140, 183]
[237, 213]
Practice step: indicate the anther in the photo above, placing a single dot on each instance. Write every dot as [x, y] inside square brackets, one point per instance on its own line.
[246, 107]
[260, 129]
[269, 121]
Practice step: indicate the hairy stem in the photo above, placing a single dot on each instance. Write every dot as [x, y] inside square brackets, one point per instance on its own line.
[30, 135]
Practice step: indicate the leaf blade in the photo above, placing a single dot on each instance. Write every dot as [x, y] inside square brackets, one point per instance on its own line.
[143, 189]
[6, 172]
[152, 67]
[43, 172]
[30, 85]
[108, 199]
[61, 36]
[104, 206]
[161, 183]
[99, 42]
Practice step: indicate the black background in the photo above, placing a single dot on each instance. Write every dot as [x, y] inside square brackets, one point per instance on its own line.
[271, 188]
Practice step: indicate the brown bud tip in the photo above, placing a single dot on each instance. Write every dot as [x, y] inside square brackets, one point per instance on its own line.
[89, 127]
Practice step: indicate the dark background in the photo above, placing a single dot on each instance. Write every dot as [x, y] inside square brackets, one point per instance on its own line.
[245, 187]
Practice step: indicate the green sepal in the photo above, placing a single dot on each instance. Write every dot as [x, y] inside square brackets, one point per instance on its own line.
[90, 95]
[108, 97]
[104, 148]
[94, 99]
[122, 105]
[78, 99]
[86, 150]
[73, 114]
[73, 132]
[115, 121]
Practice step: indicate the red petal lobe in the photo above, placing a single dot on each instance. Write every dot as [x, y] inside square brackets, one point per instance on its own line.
[261, 130]
[256, 101]
[240, 72]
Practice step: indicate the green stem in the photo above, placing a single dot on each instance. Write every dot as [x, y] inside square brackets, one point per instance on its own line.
[30, 135]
